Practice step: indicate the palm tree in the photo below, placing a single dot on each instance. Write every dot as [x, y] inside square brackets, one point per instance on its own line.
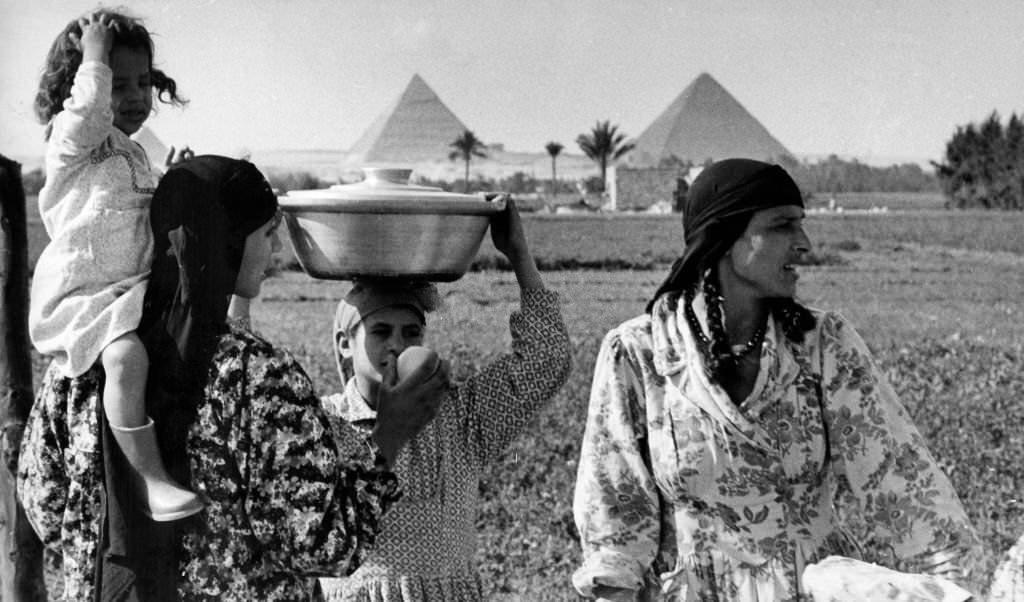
[604, 143]
[466, 147]
[553, 149]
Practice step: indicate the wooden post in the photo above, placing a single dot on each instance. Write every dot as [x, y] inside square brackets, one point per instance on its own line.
[21, 552]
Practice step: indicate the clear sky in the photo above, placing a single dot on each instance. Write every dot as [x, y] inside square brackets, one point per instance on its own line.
[874, 79]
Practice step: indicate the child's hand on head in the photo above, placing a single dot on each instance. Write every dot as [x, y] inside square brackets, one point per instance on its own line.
[97, 37]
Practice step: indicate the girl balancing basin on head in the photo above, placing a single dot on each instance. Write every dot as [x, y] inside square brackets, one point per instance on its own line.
[735, 436]
[427, 544]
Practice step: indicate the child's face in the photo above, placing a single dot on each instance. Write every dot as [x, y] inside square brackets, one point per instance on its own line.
[131, 98]
[382, 335]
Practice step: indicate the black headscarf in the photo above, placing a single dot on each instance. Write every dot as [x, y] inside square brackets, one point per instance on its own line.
[201, 214]
[718, 207]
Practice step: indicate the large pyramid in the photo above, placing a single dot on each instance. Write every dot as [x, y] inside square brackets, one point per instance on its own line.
[416, 128]
[704, 122]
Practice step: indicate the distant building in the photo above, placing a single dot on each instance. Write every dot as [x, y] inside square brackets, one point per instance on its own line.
[650, 189]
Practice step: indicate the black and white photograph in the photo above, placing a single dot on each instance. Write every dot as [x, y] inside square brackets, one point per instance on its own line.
[533, 300]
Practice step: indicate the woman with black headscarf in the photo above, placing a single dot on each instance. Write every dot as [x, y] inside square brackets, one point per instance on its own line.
[286, 497]
[735, 436]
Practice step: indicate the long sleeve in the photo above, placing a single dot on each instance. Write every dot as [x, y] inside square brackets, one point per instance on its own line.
[616, 506]
[288, 492]
[86, 119]
[497, 403]
[43, 481]
[60, 475]
[891, 490]
[315, 497]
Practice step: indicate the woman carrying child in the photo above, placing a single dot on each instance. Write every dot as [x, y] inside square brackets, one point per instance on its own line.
[426, 548]
[288, 496]
[88, 287]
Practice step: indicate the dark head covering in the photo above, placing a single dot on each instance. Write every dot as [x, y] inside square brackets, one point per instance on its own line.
[718, 207]
[368, 296]
[201, 214]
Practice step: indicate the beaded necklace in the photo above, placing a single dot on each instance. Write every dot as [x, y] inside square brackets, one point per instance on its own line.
[737, 352]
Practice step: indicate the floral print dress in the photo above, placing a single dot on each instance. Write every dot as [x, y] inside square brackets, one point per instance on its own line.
[287, 497]
[683, 495]
[426, 548]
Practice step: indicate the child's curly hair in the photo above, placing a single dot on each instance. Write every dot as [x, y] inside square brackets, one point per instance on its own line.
[64, 58]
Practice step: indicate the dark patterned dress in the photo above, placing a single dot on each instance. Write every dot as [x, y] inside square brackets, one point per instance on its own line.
[684, 495]
[288, 497]
[427, 543]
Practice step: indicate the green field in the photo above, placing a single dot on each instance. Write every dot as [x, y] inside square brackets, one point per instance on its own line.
[609, 241]
[937, 295]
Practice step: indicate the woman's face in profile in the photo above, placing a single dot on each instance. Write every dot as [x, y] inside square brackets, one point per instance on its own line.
[260, 247]
[762, 262]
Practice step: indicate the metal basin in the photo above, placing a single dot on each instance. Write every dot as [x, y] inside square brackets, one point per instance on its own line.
[383, 227]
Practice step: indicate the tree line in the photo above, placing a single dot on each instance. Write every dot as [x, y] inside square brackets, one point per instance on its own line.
[605, 144]
[834, 175]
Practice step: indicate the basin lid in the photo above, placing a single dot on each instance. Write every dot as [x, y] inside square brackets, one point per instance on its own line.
[387, 190]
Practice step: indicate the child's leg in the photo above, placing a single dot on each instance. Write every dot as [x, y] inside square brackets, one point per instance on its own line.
[126, 365]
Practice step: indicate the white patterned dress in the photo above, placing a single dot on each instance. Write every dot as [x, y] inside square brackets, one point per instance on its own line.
[90, 280]
[683, 495]
[427, 542]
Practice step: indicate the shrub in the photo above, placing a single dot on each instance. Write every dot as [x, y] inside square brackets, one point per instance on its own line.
[295, 180]
[984, 165]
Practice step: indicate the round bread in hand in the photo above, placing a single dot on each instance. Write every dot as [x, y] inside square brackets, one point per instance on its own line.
[415, 356]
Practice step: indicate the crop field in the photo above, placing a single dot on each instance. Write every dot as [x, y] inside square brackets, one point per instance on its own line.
[610, 241]
[937, 295]
[890, 201]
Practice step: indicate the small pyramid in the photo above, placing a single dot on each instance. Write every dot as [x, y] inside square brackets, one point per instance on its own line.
[705, 122]
[417, 127]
